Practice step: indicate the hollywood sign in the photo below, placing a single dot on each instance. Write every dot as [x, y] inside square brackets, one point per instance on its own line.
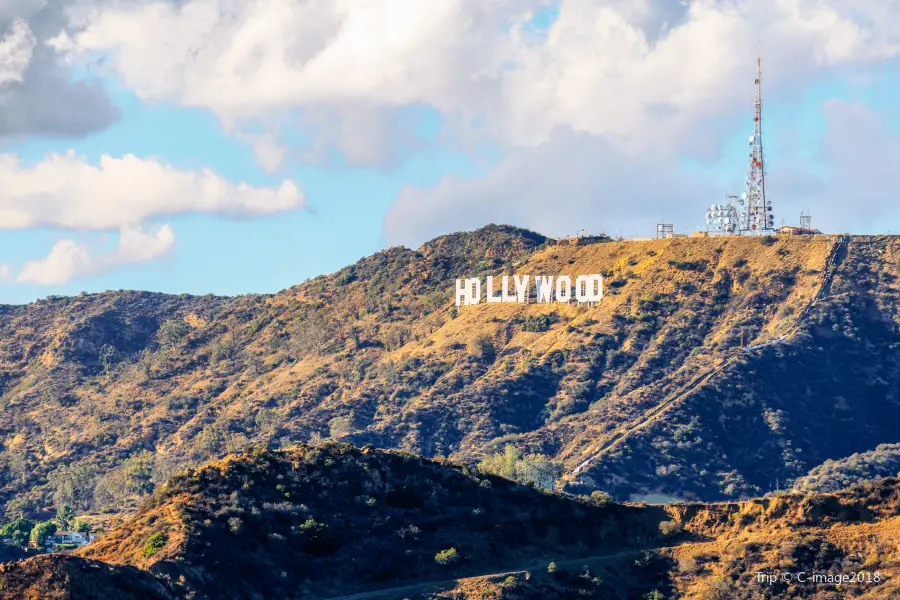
[547, 289]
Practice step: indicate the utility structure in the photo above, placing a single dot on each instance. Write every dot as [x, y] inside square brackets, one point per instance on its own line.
[805, 220]
[665, 230]
[723, 219]
[758, 213]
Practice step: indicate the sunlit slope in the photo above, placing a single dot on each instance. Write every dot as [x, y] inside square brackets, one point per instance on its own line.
[644, 385]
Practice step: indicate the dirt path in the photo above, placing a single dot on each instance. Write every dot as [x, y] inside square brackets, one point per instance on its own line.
[700, 380]
[398, 593]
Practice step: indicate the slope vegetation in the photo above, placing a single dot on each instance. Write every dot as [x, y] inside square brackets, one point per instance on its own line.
[338, 522]
[105, 395]
[320, 522]
[60, 577]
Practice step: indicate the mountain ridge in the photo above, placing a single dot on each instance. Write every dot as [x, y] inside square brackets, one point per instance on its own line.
[378, 353]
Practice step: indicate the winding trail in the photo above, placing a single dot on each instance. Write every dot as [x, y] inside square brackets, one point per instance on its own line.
[701, 379]
[433, 586]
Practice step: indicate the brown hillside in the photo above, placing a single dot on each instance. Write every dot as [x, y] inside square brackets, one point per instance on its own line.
[320, 522]
[649, 386]
[336, 521]
[59, 577]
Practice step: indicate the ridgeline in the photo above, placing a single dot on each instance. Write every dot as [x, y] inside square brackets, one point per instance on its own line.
[647, 394]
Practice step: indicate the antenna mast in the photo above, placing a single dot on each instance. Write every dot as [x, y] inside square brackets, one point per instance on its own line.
[759, 208]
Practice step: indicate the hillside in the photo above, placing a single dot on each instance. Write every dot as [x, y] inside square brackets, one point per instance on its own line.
[312, 522]
[833, 475]
[60, 577]
[339, 522]
[646, 393]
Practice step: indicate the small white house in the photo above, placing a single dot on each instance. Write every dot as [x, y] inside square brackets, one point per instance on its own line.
[69, 537]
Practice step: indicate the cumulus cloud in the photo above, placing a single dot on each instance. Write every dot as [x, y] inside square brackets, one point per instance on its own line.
[38, 93]
[337, 68]
[634, 84]
[643, 72]
[69, 260]
[64, 191]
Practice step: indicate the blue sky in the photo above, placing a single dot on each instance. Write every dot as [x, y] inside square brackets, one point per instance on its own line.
[414, 153]
[341, 223]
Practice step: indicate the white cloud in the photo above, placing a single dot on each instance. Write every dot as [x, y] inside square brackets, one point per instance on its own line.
[5, 271]
[239, 58]
[62, 190]
[16, 48]
[344, 64]
[643, 72]
[70, 260]
[631, 84]
[39, 94]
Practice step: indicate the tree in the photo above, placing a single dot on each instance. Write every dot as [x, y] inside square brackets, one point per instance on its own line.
[41, 532]
[108, 355]
[315, 334]
[111, 489]
[65, 517]
[165, 466]
[266, 422]
[139, 472]
[534, 469]
[19, 507]
[539, 471]
[503, 464]
[394, 337]
[73, 485]
[145, 363]
[17, 465]
[18, 532]
[82, 526]
[171, 332]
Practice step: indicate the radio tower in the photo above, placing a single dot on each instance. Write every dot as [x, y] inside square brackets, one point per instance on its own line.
[759, 209]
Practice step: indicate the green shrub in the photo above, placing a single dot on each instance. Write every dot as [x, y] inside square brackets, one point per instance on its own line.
[599, 498]
[551, 568]
[447, 557]
[539, 323]
[64, 547]
[669, 528]
[235, 525]
[154, 544]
